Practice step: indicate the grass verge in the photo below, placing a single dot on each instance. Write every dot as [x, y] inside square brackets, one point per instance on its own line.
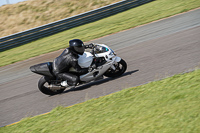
[169, 105]
[32, 13]
[125, 20]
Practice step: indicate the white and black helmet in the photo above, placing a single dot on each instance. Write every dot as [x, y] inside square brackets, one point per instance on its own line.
[77, 46]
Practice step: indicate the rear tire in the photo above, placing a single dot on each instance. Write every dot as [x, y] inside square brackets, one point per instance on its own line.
[120, 69]
[41, 85]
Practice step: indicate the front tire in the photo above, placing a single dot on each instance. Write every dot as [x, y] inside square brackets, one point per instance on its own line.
[42, 85]
[120, 69]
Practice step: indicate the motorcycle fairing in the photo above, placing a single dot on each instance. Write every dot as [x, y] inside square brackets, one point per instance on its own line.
[85, 60]
[98, 72]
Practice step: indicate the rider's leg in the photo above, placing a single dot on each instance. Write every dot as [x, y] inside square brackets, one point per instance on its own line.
[72, 80]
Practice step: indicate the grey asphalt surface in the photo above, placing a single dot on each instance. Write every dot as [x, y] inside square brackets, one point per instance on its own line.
[152, 52]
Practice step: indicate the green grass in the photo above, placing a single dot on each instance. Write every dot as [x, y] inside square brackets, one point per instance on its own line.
[125, 20]
[171, 105]
[32, 13]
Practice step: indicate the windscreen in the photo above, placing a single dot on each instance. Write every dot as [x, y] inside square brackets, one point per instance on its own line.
[101, 49]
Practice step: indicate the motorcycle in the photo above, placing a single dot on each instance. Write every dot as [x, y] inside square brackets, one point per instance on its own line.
[100, 60]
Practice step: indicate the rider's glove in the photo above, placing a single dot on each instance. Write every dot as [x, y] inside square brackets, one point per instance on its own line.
[91, 45]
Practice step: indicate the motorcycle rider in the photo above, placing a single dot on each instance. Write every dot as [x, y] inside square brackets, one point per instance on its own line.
[68, 59]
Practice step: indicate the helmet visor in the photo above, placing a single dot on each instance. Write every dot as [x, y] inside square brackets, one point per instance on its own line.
[79, 50]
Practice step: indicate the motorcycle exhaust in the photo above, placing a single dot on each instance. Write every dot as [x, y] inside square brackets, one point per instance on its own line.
[55, 87]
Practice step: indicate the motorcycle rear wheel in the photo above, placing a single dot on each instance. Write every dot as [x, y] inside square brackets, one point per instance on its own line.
[42, 85]
[120, 69]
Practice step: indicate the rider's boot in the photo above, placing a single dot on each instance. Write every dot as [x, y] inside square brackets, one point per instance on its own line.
[64, 83]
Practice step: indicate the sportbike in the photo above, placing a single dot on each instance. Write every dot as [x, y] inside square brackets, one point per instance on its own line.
[100, 60]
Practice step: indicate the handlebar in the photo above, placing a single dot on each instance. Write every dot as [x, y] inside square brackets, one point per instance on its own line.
[93, 52]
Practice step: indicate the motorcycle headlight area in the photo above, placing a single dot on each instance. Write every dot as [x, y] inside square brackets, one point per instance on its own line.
[100, 49]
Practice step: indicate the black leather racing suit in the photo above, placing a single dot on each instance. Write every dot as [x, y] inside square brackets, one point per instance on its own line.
[64, 62]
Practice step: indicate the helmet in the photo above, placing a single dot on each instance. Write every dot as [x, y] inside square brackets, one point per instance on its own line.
[77, 46]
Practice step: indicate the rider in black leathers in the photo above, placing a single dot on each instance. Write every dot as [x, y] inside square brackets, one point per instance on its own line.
[68, 59]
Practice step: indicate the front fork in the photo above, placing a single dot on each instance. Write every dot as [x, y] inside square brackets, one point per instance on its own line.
[116, 60]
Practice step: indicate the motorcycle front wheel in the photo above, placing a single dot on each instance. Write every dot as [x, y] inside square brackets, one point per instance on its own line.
[120, 69]
[43, 87]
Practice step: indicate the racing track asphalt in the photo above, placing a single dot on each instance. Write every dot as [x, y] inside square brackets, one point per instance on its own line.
[153, 51]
